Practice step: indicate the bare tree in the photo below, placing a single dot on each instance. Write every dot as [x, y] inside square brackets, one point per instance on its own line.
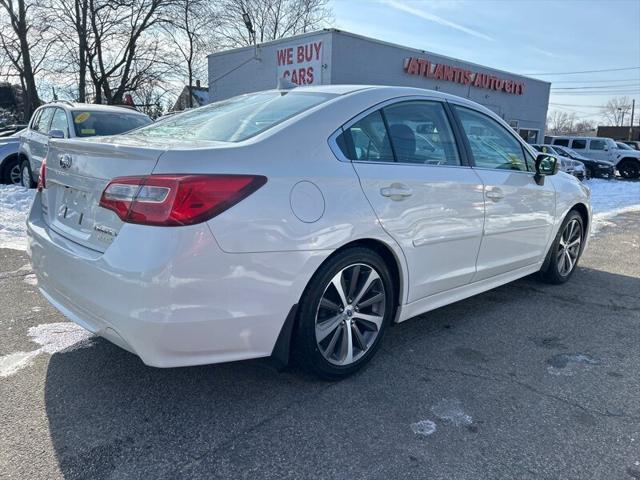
[72, 26]
[616, 109]
[191, 28]
[584, 127]
[124, 50]
[560, 122]
[271, 19]
[26, 40]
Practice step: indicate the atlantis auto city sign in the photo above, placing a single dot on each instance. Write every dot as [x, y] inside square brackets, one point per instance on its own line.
[441, 71]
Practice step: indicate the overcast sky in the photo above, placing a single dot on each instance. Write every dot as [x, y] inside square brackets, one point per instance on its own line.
[521, 36]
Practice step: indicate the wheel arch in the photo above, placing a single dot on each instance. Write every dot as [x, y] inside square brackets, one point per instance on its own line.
[582, 209]
[281, 352]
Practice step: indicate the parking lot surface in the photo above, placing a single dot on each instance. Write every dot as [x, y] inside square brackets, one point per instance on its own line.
[527, 381]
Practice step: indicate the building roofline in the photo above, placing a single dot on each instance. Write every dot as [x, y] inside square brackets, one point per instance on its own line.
[373, 40]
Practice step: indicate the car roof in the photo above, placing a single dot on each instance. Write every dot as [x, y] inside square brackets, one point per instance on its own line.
[93, 107]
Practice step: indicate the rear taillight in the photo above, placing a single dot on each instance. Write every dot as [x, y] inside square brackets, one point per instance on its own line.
[173, 200]
[42, 181]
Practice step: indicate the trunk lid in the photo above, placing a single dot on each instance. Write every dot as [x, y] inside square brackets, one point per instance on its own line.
[78, 172]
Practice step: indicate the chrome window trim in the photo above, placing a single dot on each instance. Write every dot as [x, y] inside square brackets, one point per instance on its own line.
[333, 144]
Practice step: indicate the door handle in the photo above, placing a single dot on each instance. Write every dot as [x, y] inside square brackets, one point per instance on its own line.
[396, 191]
[494, 194]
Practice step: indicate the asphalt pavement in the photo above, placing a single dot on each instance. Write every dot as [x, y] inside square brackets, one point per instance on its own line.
[527, 381]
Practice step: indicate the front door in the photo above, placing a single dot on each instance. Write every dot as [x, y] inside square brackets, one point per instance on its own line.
[423, 195]
[519, 213]
[38, 139]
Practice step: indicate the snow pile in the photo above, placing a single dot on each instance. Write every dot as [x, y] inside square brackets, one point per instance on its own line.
[610, 198]
[52, 338]
[15, 202]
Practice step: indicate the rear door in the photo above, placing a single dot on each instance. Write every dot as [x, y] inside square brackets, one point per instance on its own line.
[423, 193]
[519, 213]
[599, 150]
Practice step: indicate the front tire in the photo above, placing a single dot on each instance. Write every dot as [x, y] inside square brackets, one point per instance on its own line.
[565, 250]
[629, 168]
[344, 313]
[26, 178]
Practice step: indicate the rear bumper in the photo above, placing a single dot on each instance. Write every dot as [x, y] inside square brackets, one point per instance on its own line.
[170, 295]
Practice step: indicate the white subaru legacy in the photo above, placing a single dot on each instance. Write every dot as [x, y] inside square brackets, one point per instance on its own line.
[304, 220]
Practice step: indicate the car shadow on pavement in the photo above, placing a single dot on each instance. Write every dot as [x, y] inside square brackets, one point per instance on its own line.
[110, 416]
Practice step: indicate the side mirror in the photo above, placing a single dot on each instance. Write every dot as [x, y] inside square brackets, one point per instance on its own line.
[56, 134]
[545, 165]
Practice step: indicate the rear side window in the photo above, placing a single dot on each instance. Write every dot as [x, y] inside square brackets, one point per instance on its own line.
[367, 140]
[561, 141]
[420, 133]
[238, 118]
[89, 123]
[579, 144]
[597, 145]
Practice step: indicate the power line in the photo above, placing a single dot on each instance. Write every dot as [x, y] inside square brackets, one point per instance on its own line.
[599, 87]
[597, 81]
[585, 71]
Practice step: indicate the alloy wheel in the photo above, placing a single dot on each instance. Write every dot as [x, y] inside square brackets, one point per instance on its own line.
[569, 247]
[350, 314]
[14, 174]
[25, 178]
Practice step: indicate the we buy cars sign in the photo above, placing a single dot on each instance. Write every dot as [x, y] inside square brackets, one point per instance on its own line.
[300, 64]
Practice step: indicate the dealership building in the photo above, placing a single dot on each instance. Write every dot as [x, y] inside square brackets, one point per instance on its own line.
[336, 57]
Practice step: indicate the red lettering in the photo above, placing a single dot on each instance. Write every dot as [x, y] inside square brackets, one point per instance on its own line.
[412, 67]
[282, 56]
[310, 75]
[439, 72]
[302, 76]
[300, 55]
[317, 47]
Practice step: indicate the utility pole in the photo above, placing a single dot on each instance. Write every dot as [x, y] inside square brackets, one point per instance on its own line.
[633, 111]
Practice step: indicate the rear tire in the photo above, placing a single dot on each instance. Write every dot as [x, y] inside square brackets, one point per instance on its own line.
[26, 178]
[344, 313]
[565, 250]
[629, 168]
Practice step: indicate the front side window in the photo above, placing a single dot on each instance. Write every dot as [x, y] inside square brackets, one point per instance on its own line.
[236, 119]
[420, 133]
[44, 120]
[89, 123]
[579, 144]
[59, 122]
[491, 144]
[597, 145]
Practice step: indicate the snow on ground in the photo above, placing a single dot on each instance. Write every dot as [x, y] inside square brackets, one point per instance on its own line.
[53, 338]
[608, 198]
[15, 202]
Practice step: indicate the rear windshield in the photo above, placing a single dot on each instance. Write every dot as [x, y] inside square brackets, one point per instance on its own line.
[87, 123]
[235, 119]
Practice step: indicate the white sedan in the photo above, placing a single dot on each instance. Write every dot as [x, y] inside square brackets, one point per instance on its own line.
[305, 220]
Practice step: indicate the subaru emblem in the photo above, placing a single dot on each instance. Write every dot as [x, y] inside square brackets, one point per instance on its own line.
[65, 160]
